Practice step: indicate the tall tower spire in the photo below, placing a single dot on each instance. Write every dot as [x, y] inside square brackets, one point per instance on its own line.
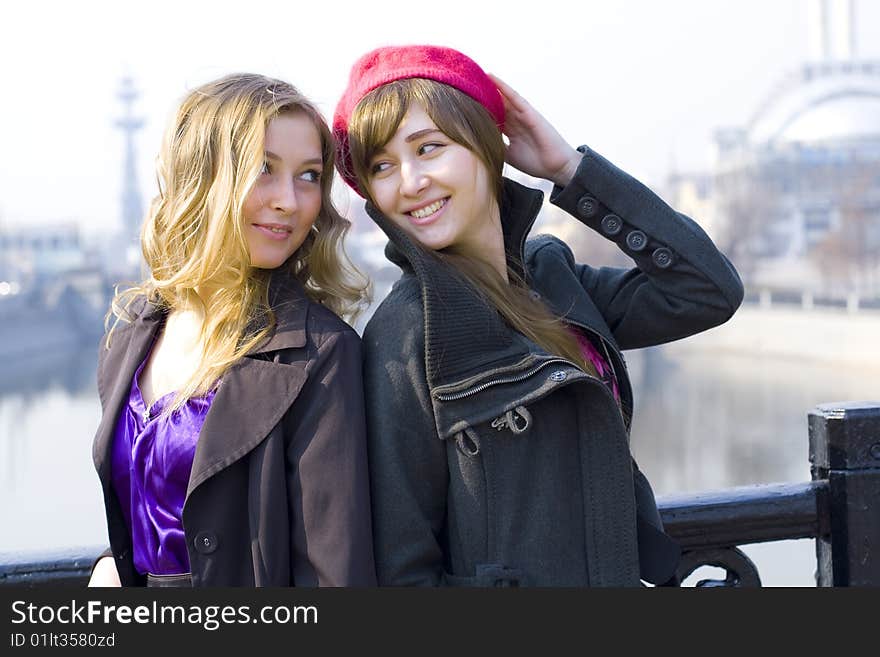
[851, 30]
[833, 28]
[132, 208]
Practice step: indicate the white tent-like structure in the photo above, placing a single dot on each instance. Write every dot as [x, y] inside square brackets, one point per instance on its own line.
[802, 177]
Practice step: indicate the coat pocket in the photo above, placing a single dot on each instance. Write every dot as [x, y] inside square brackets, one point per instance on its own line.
[488, 575]
[482, 456]
[470, 507]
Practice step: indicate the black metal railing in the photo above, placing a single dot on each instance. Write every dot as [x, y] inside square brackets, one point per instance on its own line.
[806, 299]
[710, 526]
[43, 568]
[839, 508]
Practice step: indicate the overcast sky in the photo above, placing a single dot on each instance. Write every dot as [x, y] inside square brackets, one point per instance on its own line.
[644, 82]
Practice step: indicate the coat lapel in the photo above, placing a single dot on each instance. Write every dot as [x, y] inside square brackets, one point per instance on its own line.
[252, 398]
[129, 347]
[257, 391]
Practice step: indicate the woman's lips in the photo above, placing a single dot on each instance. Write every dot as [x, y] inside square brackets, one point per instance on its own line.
[274, 231]
[436, 209]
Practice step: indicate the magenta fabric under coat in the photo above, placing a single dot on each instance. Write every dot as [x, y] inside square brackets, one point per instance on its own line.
[152, 461]
[602, 367]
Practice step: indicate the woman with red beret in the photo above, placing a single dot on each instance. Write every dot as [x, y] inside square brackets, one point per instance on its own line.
[498, 400]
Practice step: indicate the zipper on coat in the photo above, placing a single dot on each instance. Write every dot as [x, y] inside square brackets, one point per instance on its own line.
[454, 396]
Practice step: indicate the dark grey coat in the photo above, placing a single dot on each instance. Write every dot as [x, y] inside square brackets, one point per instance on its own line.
[495, 463]
[278, 494]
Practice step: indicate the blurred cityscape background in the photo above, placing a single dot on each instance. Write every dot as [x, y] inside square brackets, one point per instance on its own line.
[790, 192]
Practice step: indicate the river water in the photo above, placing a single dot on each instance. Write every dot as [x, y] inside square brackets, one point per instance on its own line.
[701, 423]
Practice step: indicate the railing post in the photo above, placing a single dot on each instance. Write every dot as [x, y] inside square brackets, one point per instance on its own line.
[806, 300]
[845, 451]
[852, 302]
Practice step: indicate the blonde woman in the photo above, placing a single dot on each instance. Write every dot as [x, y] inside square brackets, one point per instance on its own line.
[498, 401]
[231, 450]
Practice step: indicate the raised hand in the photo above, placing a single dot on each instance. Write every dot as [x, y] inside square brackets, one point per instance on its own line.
[535, 148]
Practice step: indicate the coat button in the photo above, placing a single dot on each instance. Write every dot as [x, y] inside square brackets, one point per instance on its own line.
[534, 295]
[611, 224]
[558, 375]
[587, 206]
[636, 240]
[662, 257]
[205, 542]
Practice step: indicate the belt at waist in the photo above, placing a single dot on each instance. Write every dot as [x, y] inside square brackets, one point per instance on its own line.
[183, 580]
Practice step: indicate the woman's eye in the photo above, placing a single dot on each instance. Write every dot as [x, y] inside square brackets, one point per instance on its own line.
[429, 147]
[265, 168]
[379, 167]
[312, 175]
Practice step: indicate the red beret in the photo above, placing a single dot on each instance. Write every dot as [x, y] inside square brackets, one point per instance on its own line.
[391, 63]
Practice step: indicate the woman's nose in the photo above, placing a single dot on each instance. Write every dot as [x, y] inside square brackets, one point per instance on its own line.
[413, 179]
[284, 196]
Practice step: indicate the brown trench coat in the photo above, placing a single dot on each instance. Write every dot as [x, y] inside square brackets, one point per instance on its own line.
[279, 492]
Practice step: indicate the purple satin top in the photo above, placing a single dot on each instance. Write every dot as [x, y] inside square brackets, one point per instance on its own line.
[152, 460]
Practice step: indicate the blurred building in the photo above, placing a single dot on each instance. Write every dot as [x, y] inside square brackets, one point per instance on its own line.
[794, 194]
[32, 252]
[54, 288]
[53, 291]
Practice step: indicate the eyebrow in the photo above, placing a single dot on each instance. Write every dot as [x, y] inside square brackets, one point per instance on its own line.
[418, 134]
[421, 133]
[314, 160]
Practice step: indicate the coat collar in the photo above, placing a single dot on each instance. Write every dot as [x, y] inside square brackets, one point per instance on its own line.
[288, 300]
[252, 397]
[463, 334]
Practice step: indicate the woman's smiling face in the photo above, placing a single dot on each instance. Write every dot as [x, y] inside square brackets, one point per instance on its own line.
[433, 188]
[285, 200]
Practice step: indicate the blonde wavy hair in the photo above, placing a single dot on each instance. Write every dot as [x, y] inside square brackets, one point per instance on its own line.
[375, 121]
[192, 238]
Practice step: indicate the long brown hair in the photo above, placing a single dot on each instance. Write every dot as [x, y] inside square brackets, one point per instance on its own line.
[375, 121]
[211, 156]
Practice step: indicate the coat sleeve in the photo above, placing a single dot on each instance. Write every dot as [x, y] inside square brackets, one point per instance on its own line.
[681, 284]
[408, 467]
[327, 470]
